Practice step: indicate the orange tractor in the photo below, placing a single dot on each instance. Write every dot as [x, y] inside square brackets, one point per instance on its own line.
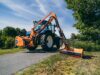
[43, 33]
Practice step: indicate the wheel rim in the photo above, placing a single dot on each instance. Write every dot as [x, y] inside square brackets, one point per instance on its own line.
[49, 41]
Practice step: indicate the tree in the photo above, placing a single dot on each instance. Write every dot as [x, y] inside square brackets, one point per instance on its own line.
[87, 16]
[73, 36]
[9, 43]
[23, 32]
[0, 32]
[18, 31]
[9, 31]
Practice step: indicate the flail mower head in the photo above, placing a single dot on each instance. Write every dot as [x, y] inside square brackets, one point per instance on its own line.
[76, 52]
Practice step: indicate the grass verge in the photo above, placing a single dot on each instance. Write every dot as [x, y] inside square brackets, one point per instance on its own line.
[61, 64]
[8, 51]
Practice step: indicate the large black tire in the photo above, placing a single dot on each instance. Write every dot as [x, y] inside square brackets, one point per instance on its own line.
[47, 41]
[58, 42]
[31, 48]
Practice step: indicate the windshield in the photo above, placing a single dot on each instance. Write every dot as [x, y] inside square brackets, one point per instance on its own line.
[49, 27]
[38, 27]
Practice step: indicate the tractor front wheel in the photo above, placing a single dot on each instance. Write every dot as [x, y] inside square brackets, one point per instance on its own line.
[34, 46]
[31, 48]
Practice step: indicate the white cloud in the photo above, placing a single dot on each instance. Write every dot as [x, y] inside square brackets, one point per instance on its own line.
[14, 24]
[21, 11]
[62, 6]
[41, 6]
[38, 9]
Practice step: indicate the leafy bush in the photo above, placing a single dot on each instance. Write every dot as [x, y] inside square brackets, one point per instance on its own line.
[86, 45]
[2, 41]
[9, 31]
[10, 42]
[8, 34]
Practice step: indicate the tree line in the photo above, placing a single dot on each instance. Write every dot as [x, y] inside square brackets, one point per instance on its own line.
[8, 34]
[87, 16]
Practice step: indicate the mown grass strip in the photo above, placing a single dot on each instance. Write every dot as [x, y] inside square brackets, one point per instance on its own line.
[8, 51]
[44, 66]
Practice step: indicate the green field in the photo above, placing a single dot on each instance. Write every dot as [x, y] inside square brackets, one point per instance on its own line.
[61, 64]
[8, 51]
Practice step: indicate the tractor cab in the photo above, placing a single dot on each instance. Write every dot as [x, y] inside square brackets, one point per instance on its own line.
[50, 27]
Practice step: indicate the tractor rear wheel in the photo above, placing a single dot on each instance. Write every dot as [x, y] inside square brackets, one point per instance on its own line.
[47, 41]
[58, 42]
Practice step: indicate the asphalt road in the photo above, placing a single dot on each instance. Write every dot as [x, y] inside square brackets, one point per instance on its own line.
[11, 63]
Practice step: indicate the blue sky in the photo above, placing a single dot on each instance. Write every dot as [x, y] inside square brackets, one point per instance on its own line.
[21, 13]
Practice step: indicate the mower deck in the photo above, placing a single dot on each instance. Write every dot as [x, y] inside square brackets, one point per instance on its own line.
[75, 52]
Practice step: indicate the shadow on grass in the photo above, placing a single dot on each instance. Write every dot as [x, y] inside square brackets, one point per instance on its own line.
[78, 55]
[42, 51]
[88, 56]
[54, 50]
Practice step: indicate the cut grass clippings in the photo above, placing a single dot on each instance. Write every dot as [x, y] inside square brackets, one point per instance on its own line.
[61, 64]
[8, 51]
